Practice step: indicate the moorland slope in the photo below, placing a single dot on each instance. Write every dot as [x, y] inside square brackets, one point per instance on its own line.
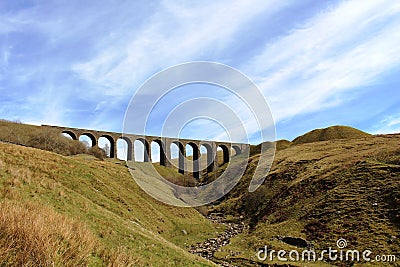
[320, 191]
[80, 211]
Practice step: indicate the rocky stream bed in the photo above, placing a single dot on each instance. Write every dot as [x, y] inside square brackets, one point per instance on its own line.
[207, 248]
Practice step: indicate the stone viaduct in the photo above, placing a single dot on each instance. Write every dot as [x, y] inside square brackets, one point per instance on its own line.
[164, 145]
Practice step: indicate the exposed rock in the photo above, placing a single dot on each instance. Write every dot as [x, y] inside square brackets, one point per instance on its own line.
[207, 248]
[295, 241]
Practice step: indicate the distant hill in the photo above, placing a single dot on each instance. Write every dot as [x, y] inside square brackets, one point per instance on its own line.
[279, 145]
[283, 144]
[330, 133]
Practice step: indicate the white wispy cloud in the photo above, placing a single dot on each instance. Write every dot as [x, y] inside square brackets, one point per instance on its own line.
[340, 49]
[61, 54]
[390, 124]
[175, 33]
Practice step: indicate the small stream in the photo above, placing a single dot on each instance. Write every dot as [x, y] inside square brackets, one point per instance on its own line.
[207, 248]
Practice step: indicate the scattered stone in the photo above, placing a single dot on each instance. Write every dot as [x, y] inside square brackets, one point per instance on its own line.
[392, 239]
[207, 248]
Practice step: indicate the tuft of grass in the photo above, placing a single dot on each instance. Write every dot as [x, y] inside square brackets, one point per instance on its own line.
[97, 152]
[34, 235]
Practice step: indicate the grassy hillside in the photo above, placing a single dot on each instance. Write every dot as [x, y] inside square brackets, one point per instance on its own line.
[283, 144]
[45, 139]
[330, 133]
[328, 184]
[321, 191]
[79, 211]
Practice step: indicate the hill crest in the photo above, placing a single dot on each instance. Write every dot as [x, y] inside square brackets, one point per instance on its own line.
[330, 133]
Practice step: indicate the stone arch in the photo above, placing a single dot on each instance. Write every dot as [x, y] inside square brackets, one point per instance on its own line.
[237, 150]
[225, 154]
[146, 149]
[112, 145]
[71, 134]
[162, 151]
[196, 161]
[91, 137]
[209, 158]
[181, 155]
[129, 148]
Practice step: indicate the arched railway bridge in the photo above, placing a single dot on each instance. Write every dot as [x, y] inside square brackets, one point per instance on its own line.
[164, 143]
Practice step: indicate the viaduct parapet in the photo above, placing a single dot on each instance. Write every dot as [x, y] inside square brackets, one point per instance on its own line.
[164, 145]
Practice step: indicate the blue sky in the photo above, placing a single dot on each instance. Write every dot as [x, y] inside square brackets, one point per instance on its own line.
[318, 63]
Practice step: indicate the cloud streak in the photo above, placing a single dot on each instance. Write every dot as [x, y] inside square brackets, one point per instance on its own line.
[334, 52]
[78, 64]
[175, 33]
[390, 124]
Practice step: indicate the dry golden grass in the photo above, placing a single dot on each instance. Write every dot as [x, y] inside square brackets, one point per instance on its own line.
[122, 257]
[34, 235]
